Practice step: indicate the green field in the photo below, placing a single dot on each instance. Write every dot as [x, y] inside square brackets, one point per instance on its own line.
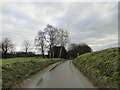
[14, 60]
[16, 70]
[101, 67]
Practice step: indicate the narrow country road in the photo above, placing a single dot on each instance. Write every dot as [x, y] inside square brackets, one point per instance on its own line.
[63, 75]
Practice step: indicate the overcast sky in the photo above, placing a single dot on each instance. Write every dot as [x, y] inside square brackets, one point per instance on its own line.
[92, 23]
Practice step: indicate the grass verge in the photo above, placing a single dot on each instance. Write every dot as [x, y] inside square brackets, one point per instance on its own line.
[14, 60]
[101, 67]
[14, 73]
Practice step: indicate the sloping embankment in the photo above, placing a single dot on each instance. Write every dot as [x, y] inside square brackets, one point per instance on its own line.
[13, 74]
[101, 67]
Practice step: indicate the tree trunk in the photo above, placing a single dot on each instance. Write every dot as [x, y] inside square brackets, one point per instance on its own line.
[5, 55]
[53, 53]
[50, 52]
[26, 53]
[60, 52]
[42, 52]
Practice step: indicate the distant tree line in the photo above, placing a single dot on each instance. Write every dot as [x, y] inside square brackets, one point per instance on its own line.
[50, 43]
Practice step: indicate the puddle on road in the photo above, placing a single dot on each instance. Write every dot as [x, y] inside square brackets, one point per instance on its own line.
[39, 82]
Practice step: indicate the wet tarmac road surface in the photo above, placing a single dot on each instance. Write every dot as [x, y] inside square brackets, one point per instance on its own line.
[62, 75]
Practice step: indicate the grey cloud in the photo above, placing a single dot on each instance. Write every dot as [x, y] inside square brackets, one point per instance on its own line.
[93, 23]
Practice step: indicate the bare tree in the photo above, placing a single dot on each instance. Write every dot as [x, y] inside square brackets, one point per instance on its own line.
[6, 46]
[51, 37]
[26, 46]
[63, 39]
[40, 42]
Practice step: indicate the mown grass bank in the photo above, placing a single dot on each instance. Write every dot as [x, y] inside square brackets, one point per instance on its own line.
[14, 73]
[101, 67]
